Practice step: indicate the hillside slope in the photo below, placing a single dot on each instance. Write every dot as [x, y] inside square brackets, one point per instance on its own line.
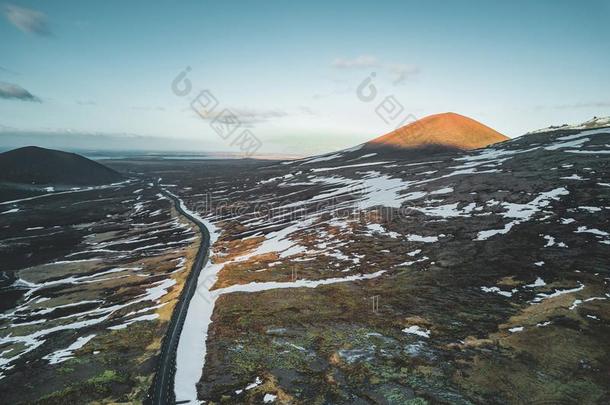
[40, 166]
[460, 278]
[441, 131]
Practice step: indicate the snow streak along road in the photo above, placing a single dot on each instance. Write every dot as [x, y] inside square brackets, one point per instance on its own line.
[162, 390]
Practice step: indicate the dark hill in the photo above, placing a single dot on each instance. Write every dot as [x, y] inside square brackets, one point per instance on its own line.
[40, 166]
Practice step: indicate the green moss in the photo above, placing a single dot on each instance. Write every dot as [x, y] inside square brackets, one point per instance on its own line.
[65, 370]
[261, 352]
[97, 387]
[416, 401]
[396, 396]
[583, 391]
[106, 377]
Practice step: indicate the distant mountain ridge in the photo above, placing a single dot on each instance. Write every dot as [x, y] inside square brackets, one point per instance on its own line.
[446, 131]
[47, 167]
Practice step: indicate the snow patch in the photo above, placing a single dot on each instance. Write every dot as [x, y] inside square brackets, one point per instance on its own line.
[416, 330]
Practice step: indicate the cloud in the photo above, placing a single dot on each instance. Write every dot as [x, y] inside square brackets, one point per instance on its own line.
[595, 104]
[571, 106]
[27, 20]
[147, 108]
[362, 61]
[304, 110]
[335, 92]
[86, 102]
[398, 72]
[401, 72]
[11, 72]
[12, 91]
[247, 116]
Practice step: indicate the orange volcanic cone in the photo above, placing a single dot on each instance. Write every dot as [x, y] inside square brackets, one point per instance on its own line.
[447, 130]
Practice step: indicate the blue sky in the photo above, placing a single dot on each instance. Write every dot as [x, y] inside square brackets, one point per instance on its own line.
[289, 70]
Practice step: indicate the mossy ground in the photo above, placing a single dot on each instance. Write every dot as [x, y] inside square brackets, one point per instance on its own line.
[115, 365]
[327, 345]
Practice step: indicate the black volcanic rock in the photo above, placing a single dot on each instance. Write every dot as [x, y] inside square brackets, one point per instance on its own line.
[40, 166]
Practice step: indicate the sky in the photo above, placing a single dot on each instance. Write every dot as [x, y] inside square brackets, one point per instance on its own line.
[292, 73]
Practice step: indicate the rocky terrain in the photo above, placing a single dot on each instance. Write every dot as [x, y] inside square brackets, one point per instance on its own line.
[89, 280]
[478, 277]
[435, 275]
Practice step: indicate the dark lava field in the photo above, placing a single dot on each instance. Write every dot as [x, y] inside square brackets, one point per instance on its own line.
[355, 277]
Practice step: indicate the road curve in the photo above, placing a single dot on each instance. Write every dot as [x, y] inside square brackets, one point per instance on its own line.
[162, 389]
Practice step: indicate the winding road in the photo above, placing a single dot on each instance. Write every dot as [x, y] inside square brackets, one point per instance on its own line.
[162, 390]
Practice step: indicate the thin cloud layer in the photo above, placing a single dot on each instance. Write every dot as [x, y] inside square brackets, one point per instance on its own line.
[10, 72]
[27, 20]
[14, 92]
[572, 106]
[248, 116]
[401, 72]
[147, 108]
[398, 72]
[362, 61]
[594, 104]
